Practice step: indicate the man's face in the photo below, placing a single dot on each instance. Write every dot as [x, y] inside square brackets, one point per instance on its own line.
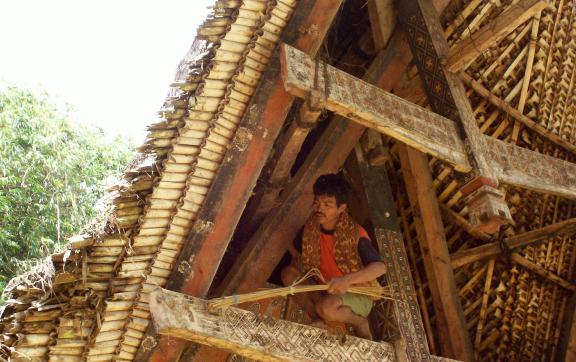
[327, 211]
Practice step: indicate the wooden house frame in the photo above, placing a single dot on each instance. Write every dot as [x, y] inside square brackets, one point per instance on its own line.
[452, 119]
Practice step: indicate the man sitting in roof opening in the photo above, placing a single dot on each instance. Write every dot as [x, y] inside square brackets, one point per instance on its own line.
[334, 243]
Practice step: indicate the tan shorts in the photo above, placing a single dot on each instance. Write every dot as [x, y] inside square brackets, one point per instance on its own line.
[360, 304]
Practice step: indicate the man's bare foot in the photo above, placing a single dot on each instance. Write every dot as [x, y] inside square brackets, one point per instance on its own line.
[363, 330]
[319, 323]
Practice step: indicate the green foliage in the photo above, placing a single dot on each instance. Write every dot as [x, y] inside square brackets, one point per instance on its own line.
[51, 175]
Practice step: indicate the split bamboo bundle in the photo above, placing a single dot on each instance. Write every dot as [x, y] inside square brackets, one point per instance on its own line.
[373, 292]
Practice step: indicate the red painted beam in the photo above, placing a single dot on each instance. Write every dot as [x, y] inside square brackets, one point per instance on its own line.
[201, 256]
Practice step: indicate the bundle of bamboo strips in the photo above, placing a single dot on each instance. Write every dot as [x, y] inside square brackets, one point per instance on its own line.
[373, 292]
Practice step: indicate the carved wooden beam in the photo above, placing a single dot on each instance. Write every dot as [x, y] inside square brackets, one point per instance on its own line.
[532, 170]
[516, 114]
[244, 333]
[461, 258]
[447, 97]
[423, 130]
[467, 49]
[389, 237]
[453, 334]
[217, 219]
[372, 107]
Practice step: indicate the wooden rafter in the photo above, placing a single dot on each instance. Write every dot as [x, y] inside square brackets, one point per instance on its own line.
[217, 219]
[492, 249]
[382, 20]
[465, 257]
[455, 341]
[537, 269]
[516, 114]
[467, 49]
[424, 130]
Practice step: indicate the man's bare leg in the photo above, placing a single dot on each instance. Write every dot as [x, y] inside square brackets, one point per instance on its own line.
[330, 308]
[306, 300]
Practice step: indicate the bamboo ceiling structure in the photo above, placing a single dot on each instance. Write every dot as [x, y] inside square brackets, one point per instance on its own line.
[230, 130]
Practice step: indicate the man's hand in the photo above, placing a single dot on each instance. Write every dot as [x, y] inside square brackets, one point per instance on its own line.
[339, 285]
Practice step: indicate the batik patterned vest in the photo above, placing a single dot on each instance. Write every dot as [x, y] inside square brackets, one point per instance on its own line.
[346, 235]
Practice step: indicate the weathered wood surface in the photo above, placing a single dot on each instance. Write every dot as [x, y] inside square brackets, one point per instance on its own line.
[467, 49]
[389, 237]
[422, 129]
[268, 339]
[277, 171]
[454, 338]
[382, 21]
[444, 90]
[374, 108]
[259, 128]
[530, 169]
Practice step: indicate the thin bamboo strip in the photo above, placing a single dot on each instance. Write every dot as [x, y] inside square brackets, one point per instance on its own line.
[483, 310]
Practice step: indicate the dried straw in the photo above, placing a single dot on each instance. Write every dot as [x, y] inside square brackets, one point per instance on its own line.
[374, 292]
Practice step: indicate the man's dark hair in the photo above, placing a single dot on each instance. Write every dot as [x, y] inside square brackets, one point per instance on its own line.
[333, 185]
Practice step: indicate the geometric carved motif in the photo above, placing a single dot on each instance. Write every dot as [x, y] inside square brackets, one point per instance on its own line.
[429, 65]
[264, 338]
[407, 308]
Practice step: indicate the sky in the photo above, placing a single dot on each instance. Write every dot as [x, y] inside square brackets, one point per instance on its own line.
[111, 60]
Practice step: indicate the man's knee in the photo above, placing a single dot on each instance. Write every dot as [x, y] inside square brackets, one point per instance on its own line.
[289, 274]
[327, 307]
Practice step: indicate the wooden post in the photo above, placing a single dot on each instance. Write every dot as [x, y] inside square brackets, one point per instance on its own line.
[454, 338]
[217, 219]
[389, 236]
[447, 97]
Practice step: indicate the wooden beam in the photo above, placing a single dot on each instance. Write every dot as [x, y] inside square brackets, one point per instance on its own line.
[372, 107]
[447, 96]
[485, 251]
[453, 334]
[244, 333]
[267, 246]
[389, 237]
[532, 170]
[467, 49]
[382, 21]
[446, 93]
[516, 114]
[277, 171]
[535, 268]
[421, 129]
[217, 219]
